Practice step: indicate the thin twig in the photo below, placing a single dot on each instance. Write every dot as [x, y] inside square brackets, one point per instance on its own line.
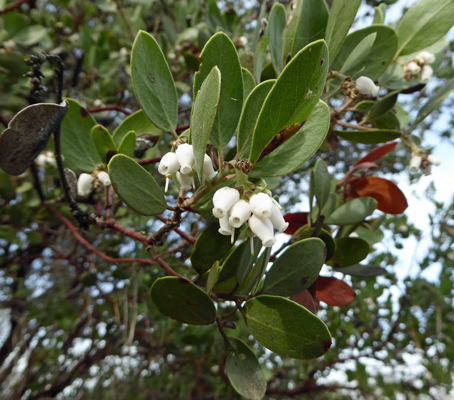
[13, 6]
[109, 108]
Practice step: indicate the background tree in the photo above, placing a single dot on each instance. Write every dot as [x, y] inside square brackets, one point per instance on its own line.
[78, 256]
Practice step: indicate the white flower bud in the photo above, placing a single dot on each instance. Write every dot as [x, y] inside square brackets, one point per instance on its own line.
[124, 52]
[104, 178]
[208, 169]
[74, 39]
[185, 156]
[261, 205]
[426, 74]
[84, 184]
[277, 219]
[425, 57]
[41, 160]
[427, 170]
[239, 213]
[50, 159]
[263, 229]
[184, 180]
[413, 68]
[225, 228]
[433, 160]
[242, 41]
[9, 46]
[168, 164]
[415, 163]
[366, 85]
[223, 200]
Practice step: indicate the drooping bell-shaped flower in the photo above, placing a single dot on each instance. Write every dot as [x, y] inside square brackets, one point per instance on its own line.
[366, 85]
[168, 164]
[427, 170]
[208, 169]
[185, 156]
[225, 228]
[104, 178]
[261, 205]
[413, 68]
[263, 229]
[84, 184]
[239, 213]
[41, 161]
[426, 74]
[425, 57]
[277, 219]
[433, 160]
[184, 180]
[223, 200]
[415, 163]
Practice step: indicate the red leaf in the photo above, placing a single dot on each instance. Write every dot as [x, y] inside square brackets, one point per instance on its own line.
[390, 198]
[332, 291]
[296, 221]
[306, 300]
[378, 153]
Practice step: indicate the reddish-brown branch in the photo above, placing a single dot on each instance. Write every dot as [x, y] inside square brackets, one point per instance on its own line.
[13, 6]
[150, 161]
[184, 235]
[92, 248]
[125, 231]
[109, 108]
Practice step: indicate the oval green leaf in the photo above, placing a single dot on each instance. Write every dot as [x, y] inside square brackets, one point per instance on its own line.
[296, 269]
[248, 83]
[362, 270]
[244, 371]
[369, 137]
[183, 301]
[153, 82]
[202, 118]
[220, 51]
[349, 251]
[137, 122]
[135, 186]
[293, 153]
[103, 142]
[277, 22]
[323, 235]
[353, 212]
[76, 143]
[291, 100]
[128, 144]
[359, 53]
[286, 328]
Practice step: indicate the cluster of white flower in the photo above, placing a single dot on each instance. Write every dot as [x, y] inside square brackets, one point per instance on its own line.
[85, 182]
[181, 163]
[425, 163]
[420, 68]
[46, 159]
[261, 213]
[365, 85]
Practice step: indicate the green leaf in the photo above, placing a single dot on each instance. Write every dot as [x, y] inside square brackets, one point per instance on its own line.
[353, 212]
[252, 280]
[30, 35]
[312, 23]
[291, 100]
[251, 111]
[380, 56]
[434, 102]
[153, 82]
[213, 276]
[286, 328]
[349, 251]
[333, 202]
[362, 270]
[213, 16]
[76, 143]
[341, 17]
[372, 236]
[369, 137]
[305, 233]
[276, 25]
[382, 106]
[423, 24]
[202, 118]
[248, 83]
[128, 144]
[103, 142]
[296, 269]
[293, 153]
[260, 56]
[248, 259]
[230, 264]
[379, 17]
[135, 186]
[244, 371]
[220, 51]
[361, 51]
[322, 183]
[137, 122]
[209, 247]
[183, 301]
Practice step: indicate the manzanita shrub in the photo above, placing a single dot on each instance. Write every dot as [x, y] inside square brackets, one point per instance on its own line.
[259, 112]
